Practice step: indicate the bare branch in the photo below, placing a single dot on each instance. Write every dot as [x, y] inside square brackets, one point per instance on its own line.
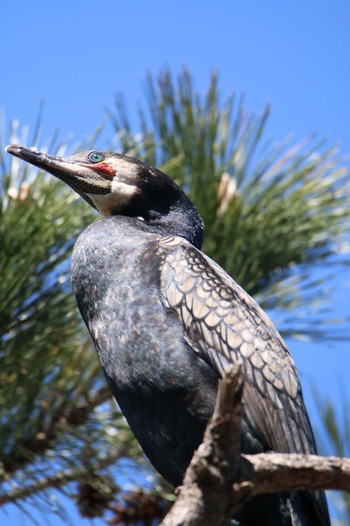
[271, 472]
[208, 495]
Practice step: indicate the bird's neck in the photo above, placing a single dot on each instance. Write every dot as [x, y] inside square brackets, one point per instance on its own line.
[181, 218]
[180, 221]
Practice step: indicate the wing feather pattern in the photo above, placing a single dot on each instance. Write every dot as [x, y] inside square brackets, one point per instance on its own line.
[223, 324]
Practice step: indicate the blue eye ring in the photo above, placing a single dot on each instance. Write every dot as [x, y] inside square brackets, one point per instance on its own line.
[96, 157]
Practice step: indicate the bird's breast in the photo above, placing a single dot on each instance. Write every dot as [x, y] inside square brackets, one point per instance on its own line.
[156, 378]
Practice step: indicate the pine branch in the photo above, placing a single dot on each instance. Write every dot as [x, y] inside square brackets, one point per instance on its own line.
[57, 480]
[219, 480]
[39, 443]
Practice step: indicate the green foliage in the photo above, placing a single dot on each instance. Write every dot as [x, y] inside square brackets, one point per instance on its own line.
[39, 320]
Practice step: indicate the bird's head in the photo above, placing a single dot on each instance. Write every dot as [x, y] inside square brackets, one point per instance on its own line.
[115, 184]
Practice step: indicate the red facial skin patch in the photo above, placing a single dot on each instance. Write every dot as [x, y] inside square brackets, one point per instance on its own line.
[102, 167]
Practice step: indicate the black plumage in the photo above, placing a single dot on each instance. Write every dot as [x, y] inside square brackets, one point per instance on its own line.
[166, 321]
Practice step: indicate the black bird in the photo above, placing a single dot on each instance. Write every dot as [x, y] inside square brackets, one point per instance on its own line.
[167, 321]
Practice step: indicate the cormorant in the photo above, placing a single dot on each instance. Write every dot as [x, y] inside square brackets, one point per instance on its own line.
[167, 321]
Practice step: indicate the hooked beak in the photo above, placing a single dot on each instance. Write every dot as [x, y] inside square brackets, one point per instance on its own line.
[77, 174]
[39, 159]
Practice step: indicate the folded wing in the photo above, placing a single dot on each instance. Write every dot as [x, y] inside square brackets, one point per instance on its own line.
[223, 325]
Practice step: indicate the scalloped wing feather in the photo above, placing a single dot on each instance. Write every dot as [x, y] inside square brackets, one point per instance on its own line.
[223, 324]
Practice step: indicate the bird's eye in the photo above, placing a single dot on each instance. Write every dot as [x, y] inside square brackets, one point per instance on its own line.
[96, 157]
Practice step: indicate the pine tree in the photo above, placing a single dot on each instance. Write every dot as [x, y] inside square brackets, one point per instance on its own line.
[272, 213]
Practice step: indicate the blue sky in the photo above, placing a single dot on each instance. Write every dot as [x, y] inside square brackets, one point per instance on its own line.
[75, 56]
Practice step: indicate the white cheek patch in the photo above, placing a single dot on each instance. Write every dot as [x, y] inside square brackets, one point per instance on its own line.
[121, 193]
[125, 170]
